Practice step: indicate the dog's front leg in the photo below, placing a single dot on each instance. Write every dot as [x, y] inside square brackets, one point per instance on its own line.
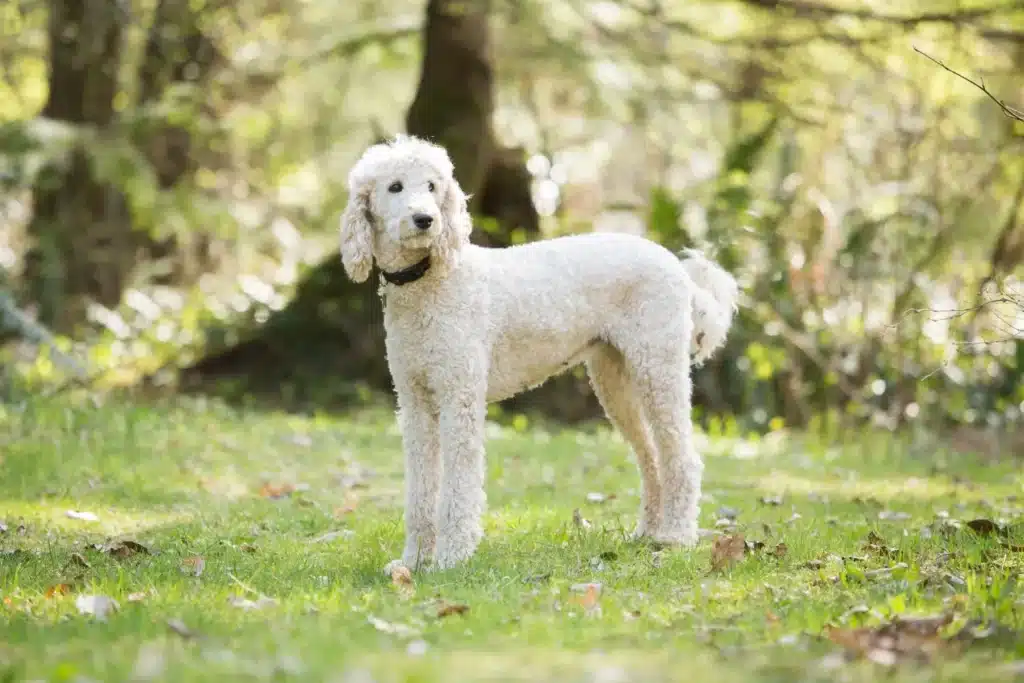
[462, 487]
[418, 419]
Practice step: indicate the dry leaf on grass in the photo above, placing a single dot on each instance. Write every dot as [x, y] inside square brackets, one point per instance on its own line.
[78, 560]
[401, 576]
[876, 544]
[447, 609]
[727, 550]
[901, 639]
[58, 590]
[122, 549]
[193, 565]
[139, 596]
[98, 606]
[347, 508]
[589, 597]
[401, 579]
[276, 491]
[780, 550]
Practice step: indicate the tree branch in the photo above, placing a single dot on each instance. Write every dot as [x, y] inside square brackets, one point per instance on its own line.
[1014, 114]
[805, 9]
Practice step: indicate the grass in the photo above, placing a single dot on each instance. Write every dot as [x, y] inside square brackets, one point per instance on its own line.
[192, 479]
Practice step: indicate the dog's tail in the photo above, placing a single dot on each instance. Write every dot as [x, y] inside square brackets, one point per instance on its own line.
[714, 303]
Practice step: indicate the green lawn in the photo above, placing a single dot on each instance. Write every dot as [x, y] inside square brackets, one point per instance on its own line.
[268, 534]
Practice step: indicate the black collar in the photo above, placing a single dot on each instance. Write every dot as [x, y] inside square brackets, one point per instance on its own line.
[409, 274]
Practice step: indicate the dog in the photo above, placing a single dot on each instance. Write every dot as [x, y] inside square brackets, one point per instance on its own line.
[467, 325]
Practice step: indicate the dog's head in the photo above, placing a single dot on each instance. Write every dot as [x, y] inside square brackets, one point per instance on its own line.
[404, 203]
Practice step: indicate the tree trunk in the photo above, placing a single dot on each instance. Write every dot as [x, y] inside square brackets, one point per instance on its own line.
[84, 249]
[177, 52]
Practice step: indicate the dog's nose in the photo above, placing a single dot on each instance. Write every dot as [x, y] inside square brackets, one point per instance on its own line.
[423, 221]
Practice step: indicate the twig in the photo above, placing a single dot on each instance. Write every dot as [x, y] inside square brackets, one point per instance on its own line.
[1014, 114]
[950, 313]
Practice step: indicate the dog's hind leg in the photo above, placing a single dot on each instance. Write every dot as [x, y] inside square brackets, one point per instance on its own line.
[665, 389]
[618, 396]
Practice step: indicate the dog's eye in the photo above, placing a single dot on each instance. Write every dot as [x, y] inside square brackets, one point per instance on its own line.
[395, 187]
[430, 186]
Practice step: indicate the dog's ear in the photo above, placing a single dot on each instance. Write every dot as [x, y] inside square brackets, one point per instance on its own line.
[357, 235]
[457, 222]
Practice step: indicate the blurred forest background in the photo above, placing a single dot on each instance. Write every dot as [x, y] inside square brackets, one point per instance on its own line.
[172, 174]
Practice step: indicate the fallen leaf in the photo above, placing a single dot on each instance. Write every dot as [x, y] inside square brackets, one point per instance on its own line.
[138, 596]
[901, 638]
[876, 544]
[58, 590]
[984, 527]
[125, 549]
[248, 548]
[178, 626]
[350, 505]
[590, 599]
[83, 516]
[401, 576]
[727, 550]
[780, 550]
[276, 491]
[98, 606]
[79, 561]
[401, 579]
[193, 565]
[771, 617]
[447, 609]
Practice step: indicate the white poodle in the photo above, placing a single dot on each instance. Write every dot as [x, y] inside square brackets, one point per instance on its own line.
[467, 325]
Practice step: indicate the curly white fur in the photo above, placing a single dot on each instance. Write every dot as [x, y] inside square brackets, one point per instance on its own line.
[484, 324]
